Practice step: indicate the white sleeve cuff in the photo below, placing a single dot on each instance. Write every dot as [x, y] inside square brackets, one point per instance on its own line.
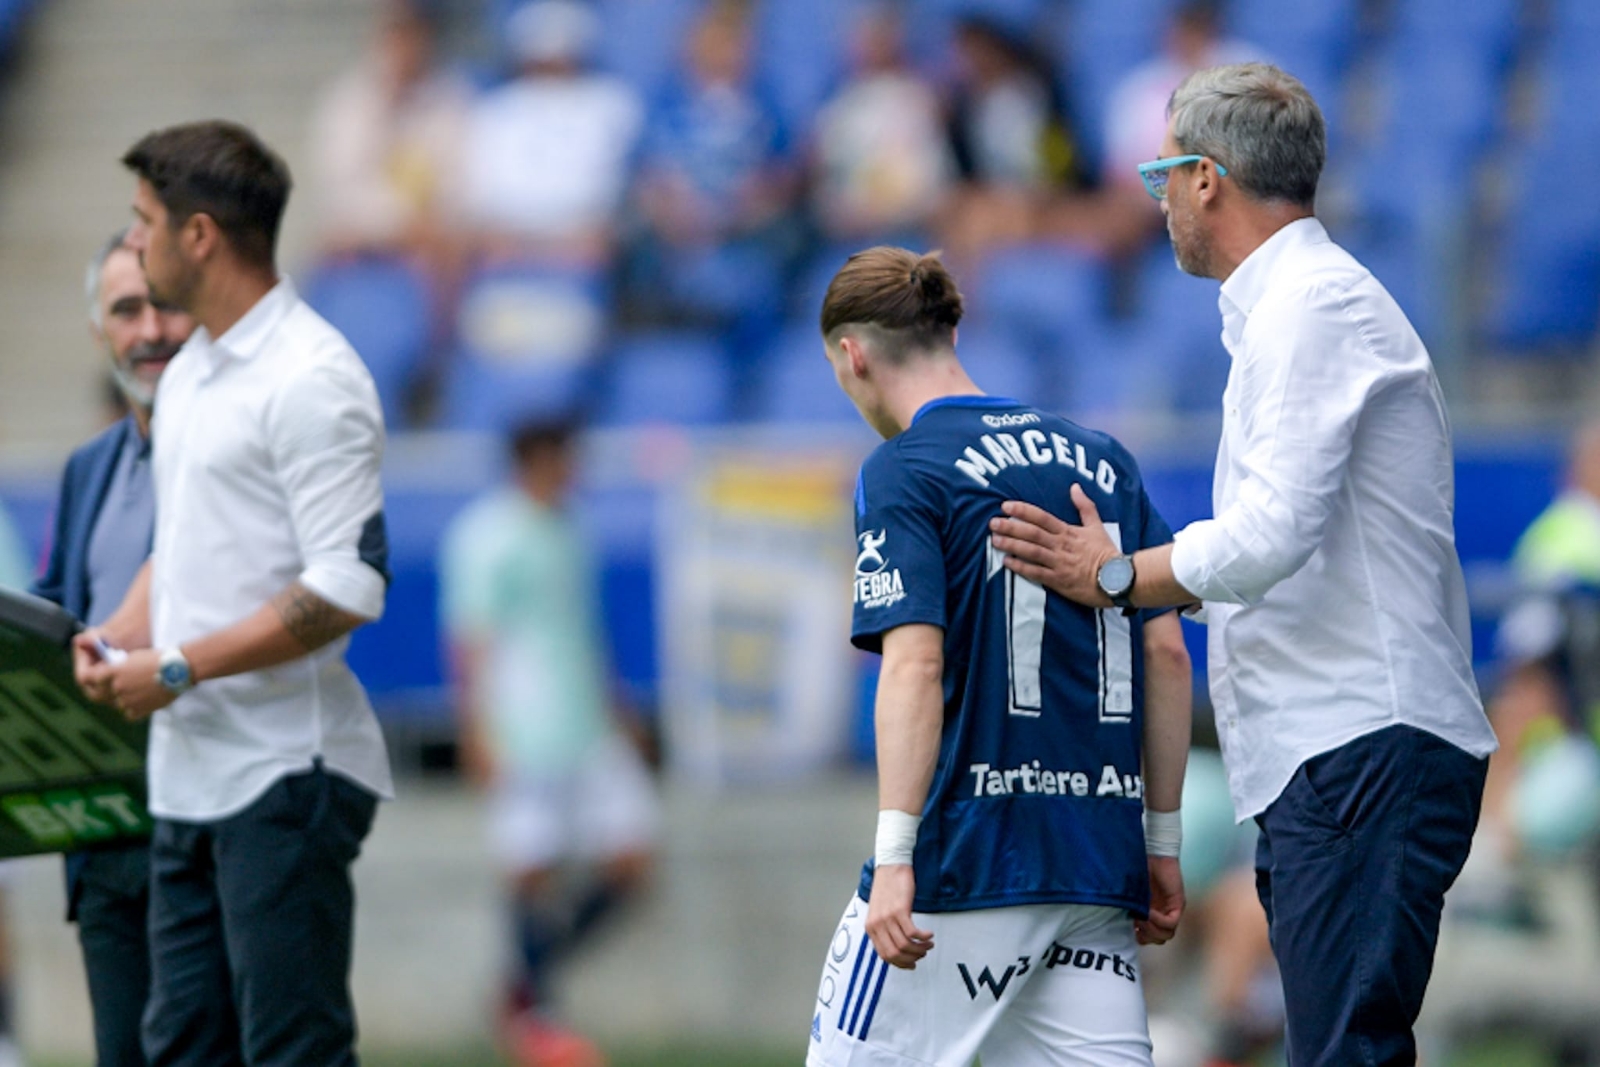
[1191, 567]
[351, 586]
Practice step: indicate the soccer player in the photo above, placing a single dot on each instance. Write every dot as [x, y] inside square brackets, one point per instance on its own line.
[1020, 736]
[572, 812]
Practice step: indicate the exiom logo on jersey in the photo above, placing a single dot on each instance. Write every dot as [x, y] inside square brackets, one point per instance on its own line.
[877, 584]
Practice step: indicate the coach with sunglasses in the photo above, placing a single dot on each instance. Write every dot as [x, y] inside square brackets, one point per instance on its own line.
[1340, 659]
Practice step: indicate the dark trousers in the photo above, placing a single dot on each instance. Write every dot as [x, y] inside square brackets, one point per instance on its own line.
[111, 903]
[250, 930]
[1352, 866]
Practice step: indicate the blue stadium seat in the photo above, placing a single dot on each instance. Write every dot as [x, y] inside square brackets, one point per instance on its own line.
[795, 383]
[1169, 357]
[1097, 43]
[1488, 26]
[1549, 290]
[644, 42]
[529, 340]
[383, 307]
[490, 398]
[802, 47]
[1549, 261]
[1570, 18]
[1314, 40]
[680, 378]
[1044, 294]
[1000, 365]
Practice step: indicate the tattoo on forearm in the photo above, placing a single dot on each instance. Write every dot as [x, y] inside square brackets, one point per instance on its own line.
[311, 620]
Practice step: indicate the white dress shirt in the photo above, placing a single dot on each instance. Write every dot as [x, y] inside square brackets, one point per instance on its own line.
[267, 446]
[1333, 592]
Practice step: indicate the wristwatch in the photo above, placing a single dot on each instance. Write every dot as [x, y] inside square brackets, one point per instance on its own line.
[1115, 579]
[173, 672]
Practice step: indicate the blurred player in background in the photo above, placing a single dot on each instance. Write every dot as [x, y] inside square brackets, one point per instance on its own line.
[1020, 737]
[266, 761]
[104, 526]
[1544, 783]
[572, 812]
[1340, 653]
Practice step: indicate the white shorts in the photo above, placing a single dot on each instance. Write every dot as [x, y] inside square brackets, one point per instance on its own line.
[1040, 985]
[602, 808]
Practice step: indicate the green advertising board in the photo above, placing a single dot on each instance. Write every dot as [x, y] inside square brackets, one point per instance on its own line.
[71, 770]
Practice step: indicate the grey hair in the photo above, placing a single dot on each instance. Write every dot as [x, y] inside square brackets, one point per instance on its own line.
[97, 266]
[1257, 121]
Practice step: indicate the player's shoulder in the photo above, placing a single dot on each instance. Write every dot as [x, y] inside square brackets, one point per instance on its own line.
[485, 523]
[312, 353]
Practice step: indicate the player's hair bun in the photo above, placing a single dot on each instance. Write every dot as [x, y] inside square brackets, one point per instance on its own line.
[937, 290]
[895, 289]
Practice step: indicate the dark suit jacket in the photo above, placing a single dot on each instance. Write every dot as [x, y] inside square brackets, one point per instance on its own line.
[66, 577]
[83, 492]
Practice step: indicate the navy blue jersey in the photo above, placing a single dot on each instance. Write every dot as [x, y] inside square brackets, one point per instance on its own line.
[1038, 794]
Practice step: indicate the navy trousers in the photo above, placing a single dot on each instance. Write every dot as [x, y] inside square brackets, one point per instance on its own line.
[111, 905]
[251, 921]
[1352, 865]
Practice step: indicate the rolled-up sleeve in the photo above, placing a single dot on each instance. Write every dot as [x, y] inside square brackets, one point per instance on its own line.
[1303, 373]
[326, 435]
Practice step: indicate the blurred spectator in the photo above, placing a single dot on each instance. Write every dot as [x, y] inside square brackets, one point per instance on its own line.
[547, 154]
[1544, 788]
[715, 185]
[883, 167]
[1011, 135]
[14, 569]
[1136, 120]
[1009, 126]
[382, 140]
[565, 787]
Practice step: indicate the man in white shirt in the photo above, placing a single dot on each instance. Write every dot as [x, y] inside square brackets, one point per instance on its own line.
[1340, 657]
[266, 762]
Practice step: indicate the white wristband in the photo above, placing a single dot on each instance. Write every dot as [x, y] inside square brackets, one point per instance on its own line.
[897, 837]
[1163, 832]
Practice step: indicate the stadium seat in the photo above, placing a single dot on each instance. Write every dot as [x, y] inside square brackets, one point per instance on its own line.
[795, 383]
[802, 47]
[1043, 293]
[1097, 43]
[529, 338]
[490, 398]
[680, 378]
[1491, 27]
[1549, 261]
[383, 307]
[1168, 358]
[644, 43]
[1314, 40]
[1000, 365]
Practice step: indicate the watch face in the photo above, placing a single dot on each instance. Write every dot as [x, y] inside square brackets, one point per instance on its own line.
[174, 675]
[1116, 576]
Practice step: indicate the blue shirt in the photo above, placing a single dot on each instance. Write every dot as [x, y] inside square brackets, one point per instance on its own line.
[718, 138]
[1037, 796]
[123, 529]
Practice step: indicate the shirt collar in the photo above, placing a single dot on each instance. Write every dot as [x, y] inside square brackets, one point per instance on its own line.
[245, 338]
[1248, 283]
[966, 400]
